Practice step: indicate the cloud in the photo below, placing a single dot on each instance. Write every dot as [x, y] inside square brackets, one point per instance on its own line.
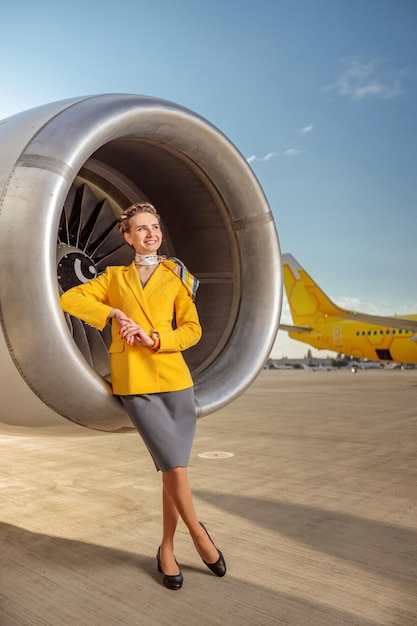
[293, 152]
[360, 80]
[353, 303]
[267, 157]
[306, 129]
[271, 155]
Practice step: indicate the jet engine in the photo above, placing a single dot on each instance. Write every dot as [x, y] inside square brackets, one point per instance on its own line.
[67, 171]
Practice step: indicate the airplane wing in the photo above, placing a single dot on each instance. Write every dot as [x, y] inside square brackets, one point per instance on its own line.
[391, 322]
[295, 329]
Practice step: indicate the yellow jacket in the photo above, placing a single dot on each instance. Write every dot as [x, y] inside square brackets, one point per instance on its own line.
[138, 369]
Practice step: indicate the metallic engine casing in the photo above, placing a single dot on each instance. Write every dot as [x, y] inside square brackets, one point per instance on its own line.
[126, 148]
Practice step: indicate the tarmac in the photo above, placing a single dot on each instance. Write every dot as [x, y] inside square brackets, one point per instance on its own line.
[309, 489]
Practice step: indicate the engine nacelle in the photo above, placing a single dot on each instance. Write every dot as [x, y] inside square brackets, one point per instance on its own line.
[67, 171]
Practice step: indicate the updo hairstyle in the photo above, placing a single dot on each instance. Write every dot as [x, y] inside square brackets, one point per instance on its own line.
[134, 209]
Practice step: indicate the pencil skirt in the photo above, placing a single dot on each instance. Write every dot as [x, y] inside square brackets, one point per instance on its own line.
[166, 422]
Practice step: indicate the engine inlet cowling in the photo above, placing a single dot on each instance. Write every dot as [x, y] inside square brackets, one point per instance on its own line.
[67, 171]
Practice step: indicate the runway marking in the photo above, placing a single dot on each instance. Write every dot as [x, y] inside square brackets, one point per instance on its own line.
[215, 455]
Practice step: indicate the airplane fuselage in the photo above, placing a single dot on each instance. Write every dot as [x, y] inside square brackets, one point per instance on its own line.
[318, 321]
[365, 341]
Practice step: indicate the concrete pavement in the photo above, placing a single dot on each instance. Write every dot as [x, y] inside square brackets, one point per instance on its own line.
[315, 512]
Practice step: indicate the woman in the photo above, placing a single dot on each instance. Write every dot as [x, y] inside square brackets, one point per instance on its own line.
[148, 370]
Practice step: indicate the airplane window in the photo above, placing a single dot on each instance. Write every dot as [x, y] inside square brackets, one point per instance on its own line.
[375, 332]
[400, 331]
[393, 332]
[381, 332]
[369, 332]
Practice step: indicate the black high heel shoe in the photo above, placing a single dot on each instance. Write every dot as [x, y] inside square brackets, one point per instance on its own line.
[172, 582]
[219, 567]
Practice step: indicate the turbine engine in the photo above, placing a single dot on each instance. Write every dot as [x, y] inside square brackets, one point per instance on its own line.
[67, 171]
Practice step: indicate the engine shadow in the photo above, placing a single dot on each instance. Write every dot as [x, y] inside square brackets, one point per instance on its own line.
[385, 549]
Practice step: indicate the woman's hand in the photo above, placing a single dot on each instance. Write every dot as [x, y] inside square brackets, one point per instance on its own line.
[130, 331]
[121, 318]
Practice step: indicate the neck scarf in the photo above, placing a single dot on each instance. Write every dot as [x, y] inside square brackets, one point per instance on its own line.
[147, 259]
[190, 282]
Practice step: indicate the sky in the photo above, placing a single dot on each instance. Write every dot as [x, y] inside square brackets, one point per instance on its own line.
[320, 96]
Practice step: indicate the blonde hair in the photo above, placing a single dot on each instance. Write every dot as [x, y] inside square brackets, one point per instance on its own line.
[134, 209]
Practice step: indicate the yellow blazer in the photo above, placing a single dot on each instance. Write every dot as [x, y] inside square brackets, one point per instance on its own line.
[138, 369]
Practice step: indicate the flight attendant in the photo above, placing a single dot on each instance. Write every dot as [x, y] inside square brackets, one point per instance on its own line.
[148, 371]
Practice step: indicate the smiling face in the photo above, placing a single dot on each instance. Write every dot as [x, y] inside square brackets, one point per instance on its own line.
[144, 233]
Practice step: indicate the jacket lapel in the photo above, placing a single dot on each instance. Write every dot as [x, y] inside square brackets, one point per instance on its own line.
[133, 282]
[160, 275]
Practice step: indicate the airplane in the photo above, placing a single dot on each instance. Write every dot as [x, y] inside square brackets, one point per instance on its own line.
[326, 326]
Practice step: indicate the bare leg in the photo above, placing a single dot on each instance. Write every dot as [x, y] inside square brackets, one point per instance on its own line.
[177, 489]
[169, 524]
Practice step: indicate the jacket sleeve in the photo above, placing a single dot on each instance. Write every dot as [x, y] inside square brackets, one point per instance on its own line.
[188, 330]
[89, 301]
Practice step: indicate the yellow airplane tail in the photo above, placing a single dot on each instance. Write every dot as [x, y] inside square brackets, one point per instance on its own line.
[308, 303]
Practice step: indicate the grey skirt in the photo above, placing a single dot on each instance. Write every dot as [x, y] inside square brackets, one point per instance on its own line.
[166, 423]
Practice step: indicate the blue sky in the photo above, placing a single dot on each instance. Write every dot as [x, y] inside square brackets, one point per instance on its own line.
[319, 95]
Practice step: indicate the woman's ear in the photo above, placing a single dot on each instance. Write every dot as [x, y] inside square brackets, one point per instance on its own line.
[128, 239]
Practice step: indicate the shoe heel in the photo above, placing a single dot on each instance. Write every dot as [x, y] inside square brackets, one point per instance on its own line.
[173, 582]
[158, 559]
